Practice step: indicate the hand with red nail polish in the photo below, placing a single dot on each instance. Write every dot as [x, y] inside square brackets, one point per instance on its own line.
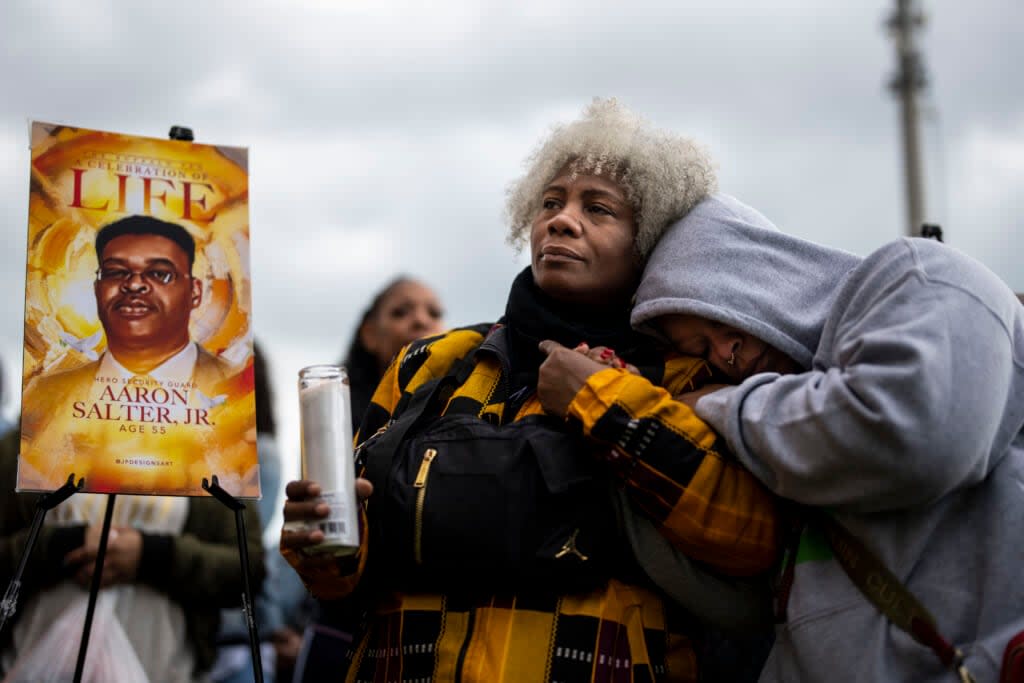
[606, 356]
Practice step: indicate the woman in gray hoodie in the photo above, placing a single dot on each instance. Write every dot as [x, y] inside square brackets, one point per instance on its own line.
[887, 390]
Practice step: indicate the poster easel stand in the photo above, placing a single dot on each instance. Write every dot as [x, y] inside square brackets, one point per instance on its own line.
[94, 586]
[51, 500]
[238, 508]
[46, 502]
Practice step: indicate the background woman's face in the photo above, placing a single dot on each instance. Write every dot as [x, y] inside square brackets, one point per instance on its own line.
[717, 343]
[406, 313]
[581, 242]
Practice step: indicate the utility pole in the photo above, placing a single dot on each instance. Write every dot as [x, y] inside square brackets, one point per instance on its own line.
[908, 81]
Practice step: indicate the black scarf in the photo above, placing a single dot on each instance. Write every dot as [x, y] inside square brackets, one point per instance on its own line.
[532, 316]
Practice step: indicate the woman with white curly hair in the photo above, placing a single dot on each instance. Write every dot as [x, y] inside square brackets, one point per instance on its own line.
[492, 549]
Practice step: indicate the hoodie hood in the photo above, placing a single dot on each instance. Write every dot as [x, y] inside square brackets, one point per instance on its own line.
[726, 262]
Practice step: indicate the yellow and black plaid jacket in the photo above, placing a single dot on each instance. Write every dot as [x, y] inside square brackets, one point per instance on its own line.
[670, 462]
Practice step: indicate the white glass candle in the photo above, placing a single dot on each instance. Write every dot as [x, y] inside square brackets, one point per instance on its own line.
[326, 436]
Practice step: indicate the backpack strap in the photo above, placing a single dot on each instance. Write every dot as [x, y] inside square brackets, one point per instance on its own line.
[887, 593]
[409, 413]
[386, 440]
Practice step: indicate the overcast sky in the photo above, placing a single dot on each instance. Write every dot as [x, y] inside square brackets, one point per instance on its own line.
[382, 134]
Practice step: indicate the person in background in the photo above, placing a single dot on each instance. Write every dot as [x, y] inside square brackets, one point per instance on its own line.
[403, 311]
[444, 604]
[5, 424]
[266, 437]
[888, 390]
[281, 608]
[171, 564]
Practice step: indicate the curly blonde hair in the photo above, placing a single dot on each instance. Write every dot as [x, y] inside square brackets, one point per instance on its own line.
[663, 174]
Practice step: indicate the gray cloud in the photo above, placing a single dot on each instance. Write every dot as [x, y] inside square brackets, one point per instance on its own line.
[382, 135]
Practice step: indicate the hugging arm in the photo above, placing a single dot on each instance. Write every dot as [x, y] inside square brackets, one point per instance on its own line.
[677, 470]
[903, 406]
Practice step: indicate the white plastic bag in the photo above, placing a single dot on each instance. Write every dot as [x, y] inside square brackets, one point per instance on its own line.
[110, 657]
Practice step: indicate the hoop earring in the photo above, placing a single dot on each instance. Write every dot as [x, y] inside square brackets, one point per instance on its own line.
[732, 359]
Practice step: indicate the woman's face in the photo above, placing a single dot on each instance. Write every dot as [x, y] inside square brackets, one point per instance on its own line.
[406, 313]
[581, 243]
[719, 344]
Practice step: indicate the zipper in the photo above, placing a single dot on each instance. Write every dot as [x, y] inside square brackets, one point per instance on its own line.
[373, 437]
[421, 494]
[496, 343]
[357, 454]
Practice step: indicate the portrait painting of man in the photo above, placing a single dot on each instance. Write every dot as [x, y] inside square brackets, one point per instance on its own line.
[143, 403]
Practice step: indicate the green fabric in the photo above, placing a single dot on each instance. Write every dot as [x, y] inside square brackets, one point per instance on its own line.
[813, 545]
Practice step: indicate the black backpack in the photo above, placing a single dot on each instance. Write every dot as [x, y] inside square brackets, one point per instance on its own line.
[461, 503]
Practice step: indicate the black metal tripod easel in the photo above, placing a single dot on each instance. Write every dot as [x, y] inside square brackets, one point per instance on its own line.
[238, 508]
[46, 502]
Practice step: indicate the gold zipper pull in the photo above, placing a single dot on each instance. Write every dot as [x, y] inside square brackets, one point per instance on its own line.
[373, 437]
[421, 476]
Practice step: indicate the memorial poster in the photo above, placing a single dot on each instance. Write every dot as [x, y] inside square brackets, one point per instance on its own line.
[137, 371]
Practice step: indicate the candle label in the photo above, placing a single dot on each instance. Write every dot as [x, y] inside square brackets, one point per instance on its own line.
[340, 527]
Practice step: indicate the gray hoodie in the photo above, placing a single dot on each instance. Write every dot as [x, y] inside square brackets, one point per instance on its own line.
[908, 424]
